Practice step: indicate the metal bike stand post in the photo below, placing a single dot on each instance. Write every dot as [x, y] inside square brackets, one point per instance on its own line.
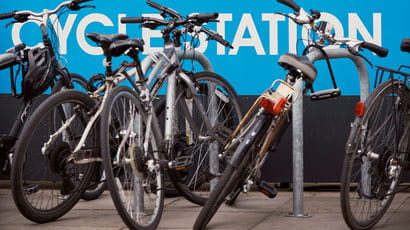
[297, 121]
[297, 142]
[214, 148]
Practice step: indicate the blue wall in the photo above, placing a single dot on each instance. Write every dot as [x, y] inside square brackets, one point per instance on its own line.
[250, 68]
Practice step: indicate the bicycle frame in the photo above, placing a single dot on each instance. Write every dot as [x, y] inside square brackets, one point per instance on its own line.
[60, 71]
[314, 55]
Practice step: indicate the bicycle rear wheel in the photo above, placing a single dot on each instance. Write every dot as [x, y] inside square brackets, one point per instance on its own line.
[222, 109]
[134, 178]
[97, 184]
[46, 178]
[371, 171]
[243, 159]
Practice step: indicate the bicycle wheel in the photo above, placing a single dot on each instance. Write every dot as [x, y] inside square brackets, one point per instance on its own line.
[371, 173]
[78, 83]
[134, 178]
[238, 169]
[97, 184]
[46, 178]
[199, 144]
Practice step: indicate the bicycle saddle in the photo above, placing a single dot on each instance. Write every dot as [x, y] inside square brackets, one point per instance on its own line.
[405, 45]
[118, 47]
[7, 60]
[301, 63]
[105, 39]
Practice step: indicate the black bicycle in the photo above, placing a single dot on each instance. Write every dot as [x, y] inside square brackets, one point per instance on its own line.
[377, 151]
[40, 70]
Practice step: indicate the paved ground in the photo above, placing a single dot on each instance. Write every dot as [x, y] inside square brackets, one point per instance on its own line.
[252, 211]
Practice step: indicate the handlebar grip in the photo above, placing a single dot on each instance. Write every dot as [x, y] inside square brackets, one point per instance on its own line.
[133, 19]
[80, 1]
[205, 16]
[380, 51]
[17, 48]
[291, 4]
[7, 15]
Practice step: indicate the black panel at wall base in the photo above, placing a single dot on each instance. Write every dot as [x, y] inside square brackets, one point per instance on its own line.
[326, 127]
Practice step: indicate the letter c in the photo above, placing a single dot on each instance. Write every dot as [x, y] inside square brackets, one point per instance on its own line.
[101, 18]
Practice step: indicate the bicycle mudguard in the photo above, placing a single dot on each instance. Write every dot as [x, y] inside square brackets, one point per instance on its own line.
[248, 140]
[352, 135]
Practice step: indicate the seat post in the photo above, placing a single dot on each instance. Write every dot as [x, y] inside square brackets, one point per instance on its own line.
[108, 65]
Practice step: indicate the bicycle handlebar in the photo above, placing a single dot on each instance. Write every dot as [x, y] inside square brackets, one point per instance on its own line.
[380, 51]
[80, 1]
[301, 17]
[22, 16]
[164, 10]
[7, 15]
[217, 37]
[290, 4]
[153, 23]
[204, 17]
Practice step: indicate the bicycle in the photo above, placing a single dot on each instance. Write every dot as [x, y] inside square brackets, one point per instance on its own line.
[130, 152]
[39, 69]
[149, 65]
[260, 131]
[377, 149]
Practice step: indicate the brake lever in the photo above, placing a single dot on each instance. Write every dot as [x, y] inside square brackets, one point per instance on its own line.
[87, 6]
[10, 23]
[76, 7]
[149, 25]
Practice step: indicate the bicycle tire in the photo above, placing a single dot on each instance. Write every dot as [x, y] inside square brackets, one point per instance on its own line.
[365, 197]
[144, 212]
[235, 171]
[78, 83]
[97, 184]
[193, 181]
[43, 165]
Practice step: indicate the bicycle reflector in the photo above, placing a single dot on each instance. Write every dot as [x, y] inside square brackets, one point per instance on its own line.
[274, 108]
[359, 110]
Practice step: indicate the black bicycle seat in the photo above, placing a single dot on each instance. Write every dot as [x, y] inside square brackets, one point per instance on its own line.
[405, 45]
[7, 60]
[105, 39]
[299, 62]
[118, 47]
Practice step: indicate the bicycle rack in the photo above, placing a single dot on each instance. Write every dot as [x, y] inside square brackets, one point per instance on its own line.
[297, 121]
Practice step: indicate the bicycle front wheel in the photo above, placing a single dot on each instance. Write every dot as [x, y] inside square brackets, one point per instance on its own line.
[371, 169]
[134, 177]
[47, 178]
[199, 145]
[243, 158]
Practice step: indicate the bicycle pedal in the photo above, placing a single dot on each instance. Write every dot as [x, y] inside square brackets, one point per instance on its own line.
[180, 163]
[31, 188]
[267, 189]
[221, 133]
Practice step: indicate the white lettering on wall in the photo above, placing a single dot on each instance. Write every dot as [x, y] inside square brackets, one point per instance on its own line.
[82, 26]
[247, 23]
[63, 32]
[241, 33]
[15, 32]
[273, 31]
[220, 28]
[356, 26]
